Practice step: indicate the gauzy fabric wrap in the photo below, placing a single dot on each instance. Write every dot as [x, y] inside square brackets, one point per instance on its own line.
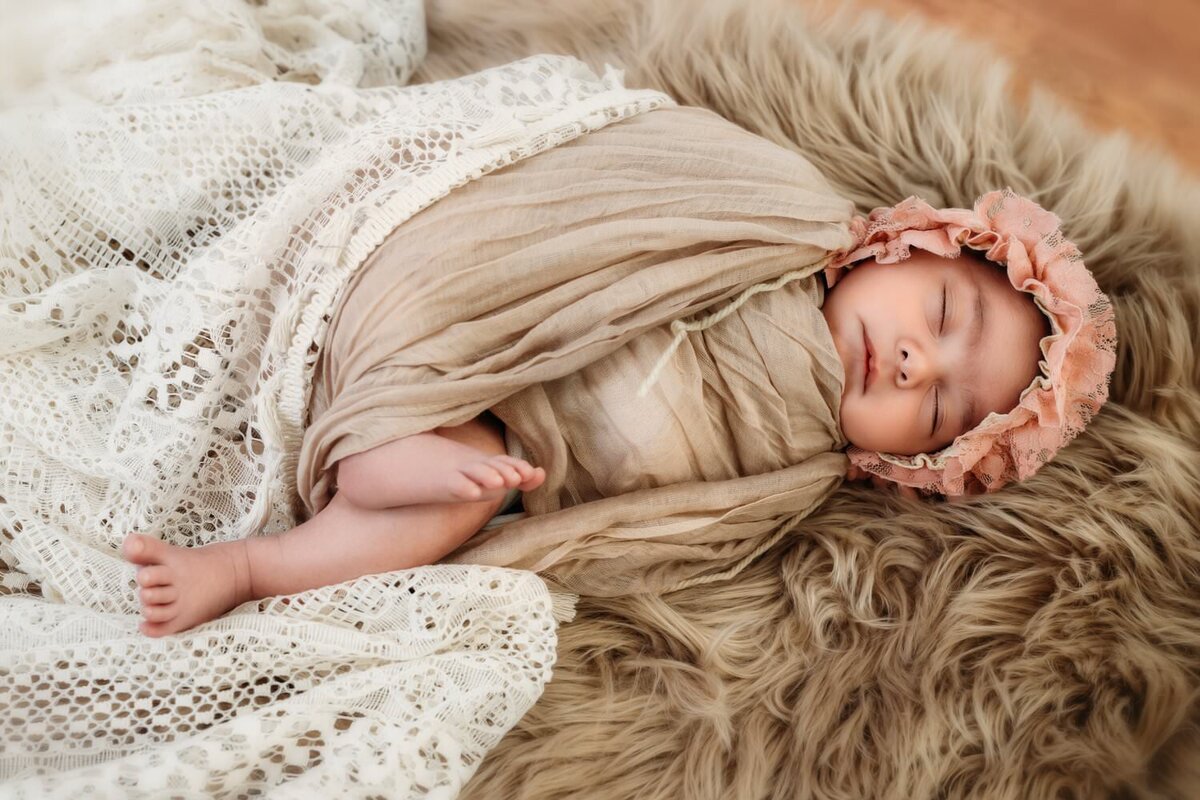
[545, 292]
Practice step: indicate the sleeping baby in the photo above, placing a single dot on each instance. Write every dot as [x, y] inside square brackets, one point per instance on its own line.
[969, 347]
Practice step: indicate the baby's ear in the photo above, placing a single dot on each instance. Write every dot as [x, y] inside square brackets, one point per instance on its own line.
[905, 491]
[855, 473]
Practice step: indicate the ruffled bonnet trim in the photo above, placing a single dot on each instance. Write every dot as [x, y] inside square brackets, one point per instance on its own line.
[1078, 357]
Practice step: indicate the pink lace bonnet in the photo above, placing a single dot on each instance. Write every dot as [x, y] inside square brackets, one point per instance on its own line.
[1077, 358]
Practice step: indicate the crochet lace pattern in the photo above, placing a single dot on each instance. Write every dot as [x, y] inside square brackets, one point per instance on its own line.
[178, 223]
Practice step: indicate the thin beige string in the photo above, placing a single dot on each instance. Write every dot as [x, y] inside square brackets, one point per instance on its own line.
[681, 328]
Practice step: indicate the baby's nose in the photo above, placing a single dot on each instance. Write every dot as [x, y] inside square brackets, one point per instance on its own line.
[911, 365]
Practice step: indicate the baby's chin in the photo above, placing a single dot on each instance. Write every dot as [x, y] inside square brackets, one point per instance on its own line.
[846, 421]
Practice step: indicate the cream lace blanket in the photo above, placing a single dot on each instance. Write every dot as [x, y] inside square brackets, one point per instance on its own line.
[177, 218]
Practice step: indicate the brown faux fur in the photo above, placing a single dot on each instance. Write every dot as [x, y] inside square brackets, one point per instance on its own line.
[1043, 642]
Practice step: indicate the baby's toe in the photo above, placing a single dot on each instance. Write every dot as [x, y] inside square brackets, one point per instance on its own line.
[160, 595]
[155, 629]
[507, 474]
[158, 575]
[159, 613]
[142, 549]
[529, 476]
[464, 488]
[508, 470]
[538, 478]
[484, 474]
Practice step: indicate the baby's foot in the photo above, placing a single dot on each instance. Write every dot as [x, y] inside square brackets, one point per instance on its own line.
[487, 477]
[430, 468]
[185, 586]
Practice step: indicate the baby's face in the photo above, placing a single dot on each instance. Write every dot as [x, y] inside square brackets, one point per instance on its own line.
[930, 378]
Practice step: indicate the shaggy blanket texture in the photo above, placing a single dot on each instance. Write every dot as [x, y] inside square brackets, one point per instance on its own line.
[1040, 642]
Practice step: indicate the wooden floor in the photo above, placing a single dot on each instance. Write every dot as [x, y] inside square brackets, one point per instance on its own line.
[1132, 64]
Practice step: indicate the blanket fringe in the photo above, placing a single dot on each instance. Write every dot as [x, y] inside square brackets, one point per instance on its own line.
[562, 606]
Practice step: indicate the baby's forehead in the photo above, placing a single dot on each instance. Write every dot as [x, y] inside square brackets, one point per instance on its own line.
[967, 261]
[973, 270]
[969, 265]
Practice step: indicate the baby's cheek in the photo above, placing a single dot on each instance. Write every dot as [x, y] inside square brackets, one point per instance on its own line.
[875, 424]
[850, 418]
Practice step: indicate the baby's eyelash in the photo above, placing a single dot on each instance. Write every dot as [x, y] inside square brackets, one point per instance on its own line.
[935, 392]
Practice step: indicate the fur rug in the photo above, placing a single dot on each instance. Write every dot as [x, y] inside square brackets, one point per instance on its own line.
[1043, 642]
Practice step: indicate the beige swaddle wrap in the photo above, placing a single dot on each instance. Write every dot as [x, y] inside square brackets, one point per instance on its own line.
[545, 292]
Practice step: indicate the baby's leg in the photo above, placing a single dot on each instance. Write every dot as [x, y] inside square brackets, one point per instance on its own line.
[183, 587]
[447, 465]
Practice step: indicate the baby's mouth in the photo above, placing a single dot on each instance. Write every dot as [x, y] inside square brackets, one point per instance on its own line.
[867, 359]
